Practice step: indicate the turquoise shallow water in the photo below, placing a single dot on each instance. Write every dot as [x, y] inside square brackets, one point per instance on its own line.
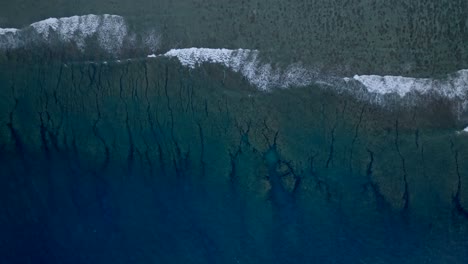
[108, 160]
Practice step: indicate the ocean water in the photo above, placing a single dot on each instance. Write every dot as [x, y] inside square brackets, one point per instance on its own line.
[222, 132]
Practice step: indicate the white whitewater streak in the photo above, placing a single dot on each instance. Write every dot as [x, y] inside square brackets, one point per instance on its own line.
[110, 31]
[4, 31]
[454, 86]
[463, 132]
[245, 61]
[265, 76]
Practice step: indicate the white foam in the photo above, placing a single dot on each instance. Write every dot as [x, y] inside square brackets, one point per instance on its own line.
[453, 86]
[463, 132]
[43, 27]
[110, 31]
[4, 31]
[266, 76]
[247, 62]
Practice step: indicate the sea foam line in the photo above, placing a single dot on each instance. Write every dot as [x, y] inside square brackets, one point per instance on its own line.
[110, 31]
[452, 86]
[266, 76]
[4, 31]
[246, 62]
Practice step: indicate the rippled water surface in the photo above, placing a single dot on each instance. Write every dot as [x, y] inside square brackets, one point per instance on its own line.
[233, 132]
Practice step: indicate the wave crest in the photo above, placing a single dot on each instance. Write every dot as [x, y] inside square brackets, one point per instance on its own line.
[110, 31]
[453, 86]
[266, 76]
[246, 62]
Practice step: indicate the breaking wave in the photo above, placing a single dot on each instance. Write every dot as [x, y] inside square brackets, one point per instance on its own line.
[266, 76]
[452, 86]
[110, 31]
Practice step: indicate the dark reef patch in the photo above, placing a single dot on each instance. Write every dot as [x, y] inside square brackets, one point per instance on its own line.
[147, 161]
